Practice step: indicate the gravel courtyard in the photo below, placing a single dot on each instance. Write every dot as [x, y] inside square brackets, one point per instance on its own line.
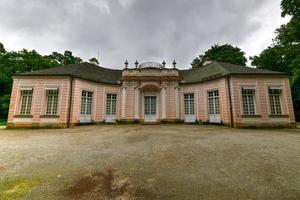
[150, 162]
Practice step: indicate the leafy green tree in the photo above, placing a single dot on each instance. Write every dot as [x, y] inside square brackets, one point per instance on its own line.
[277, 58]
[2, 49]
[64, 59]
[288, 33]
[224, 53]
[4, 105]
[12, 62]
[290, 7]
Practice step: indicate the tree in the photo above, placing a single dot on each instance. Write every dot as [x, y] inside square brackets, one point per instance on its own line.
[224, 53]
[289, 33]
[277, 58]
[64, 59]
[12, 62]
[290, 7]
[2, 49]
[284, 54]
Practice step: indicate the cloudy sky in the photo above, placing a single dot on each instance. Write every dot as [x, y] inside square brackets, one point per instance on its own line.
[147, 30]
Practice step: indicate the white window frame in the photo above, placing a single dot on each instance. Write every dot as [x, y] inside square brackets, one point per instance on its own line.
[28, 107]
[280, 100]
[109, 104]
[52, 111]
[215, 101]
[254, 100]
[85, 99]
[189, 103]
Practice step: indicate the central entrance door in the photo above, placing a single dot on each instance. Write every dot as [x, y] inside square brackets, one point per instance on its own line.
[150, 108]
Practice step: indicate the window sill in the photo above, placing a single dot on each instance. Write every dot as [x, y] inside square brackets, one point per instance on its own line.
[279, 116]
[49, 116]
[23, 116]
[251, 116]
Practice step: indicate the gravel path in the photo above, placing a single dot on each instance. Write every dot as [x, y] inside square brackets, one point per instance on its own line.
[162, 161]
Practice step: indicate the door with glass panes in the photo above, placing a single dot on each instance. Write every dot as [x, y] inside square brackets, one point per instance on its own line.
[189, 108]
[214, 107]
[111, 100]
[86, 107]
[150, 108]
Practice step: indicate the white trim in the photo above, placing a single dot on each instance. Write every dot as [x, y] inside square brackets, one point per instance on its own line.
[275, 87]
[137, 98]
[163, 102]
[26, 88]
[177, 102]
[123, 111]
[51, 88]
[249, 87]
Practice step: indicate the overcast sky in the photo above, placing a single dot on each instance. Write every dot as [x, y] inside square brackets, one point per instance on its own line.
[146, 30]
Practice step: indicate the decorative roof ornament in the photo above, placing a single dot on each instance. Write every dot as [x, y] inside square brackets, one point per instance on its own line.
[164, 64]
[174, 64]
[126, 64]
[136, 64]
[150, 65]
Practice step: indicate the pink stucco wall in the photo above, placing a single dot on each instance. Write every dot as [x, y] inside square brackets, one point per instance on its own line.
[39, 86]
[261, 85]
[99, 99]
[200, 90]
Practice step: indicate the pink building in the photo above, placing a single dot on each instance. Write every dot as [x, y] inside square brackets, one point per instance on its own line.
[219, 93]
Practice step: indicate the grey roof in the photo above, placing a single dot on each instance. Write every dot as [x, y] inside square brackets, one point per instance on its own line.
[88, 71]
[219, 69]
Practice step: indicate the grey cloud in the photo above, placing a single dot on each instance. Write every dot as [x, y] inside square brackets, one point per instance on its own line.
[132, 29]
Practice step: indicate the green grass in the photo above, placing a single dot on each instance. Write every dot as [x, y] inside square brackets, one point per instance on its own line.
[2, 122]
[12, 188]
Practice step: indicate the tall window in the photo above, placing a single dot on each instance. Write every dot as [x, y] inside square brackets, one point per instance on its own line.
[189, 104]
[86, 103]
[150, 105]
[274, 94]
[248, 101]
[213, 102]
[111, 100]
[52, 101]
[26, 99]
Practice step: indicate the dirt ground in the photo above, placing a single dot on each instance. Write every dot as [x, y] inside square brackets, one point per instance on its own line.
[150, 162]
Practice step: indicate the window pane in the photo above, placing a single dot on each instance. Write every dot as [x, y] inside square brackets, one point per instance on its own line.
[248, 96]
[26, 100]
[52, 102]
[111, 104]
[213, 102]
[275, 104]
[86, 103]
[189, 104]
